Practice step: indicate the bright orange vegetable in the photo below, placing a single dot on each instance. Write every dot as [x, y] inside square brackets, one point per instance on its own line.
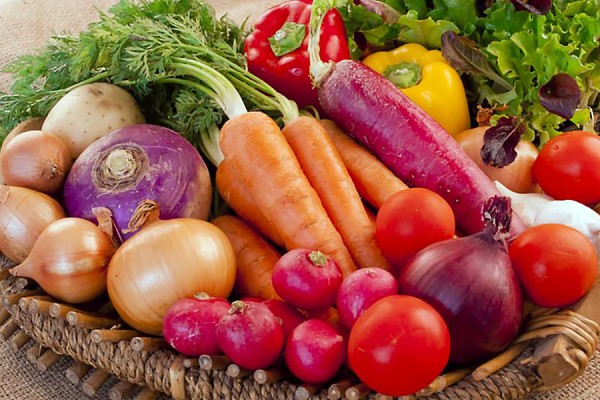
[327, 174]
[266, 165]
[373, 180]
[236, 195]
[255, 258]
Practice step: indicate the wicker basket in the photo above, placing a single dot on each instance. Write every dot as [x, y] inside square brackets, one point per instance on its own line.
[555, 349]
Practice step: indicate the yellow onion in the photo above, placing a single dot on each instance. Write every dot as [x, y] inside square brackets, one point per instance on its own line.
[24, 214]
[36, 160]
[69, 260]
[30, 124]
[517, 176]
[167, 261]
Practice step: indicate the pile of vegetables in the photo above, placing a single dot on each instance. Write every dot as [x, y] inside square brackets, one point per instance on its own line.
[358, 234]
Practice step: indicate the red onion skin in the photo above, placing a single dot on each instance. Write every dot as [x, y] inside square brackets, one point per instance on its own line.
[175, 177]
[471, 283]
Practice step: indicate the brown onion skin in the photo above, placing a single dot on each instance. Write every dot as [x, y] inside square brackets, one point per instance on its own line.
[167, 261]
[24, 214]
[517, 176]
[36, 160]
[30, 124]
[471, 283]
[69, 260]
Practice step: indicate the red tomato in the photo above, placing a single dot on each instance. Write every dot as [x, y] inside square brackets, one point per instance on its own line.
[555, 263]
[411, 220]
[567, 167]
[399, 345]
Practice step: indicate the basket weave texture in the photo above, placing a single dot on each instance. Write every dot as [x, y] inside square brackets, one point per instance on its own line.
[163, 370]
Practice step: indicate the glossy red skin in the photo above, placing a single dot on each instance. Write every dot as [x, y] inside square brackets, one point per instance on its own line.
[360, 290]
[303, 284]
[555, 263]
[399, 345]
[409, 221]
[289, 316]
[405, 138]
[252, 338]
[471, 283]
[567, 167]
[314, 351]
[190, 325]
[289, 74]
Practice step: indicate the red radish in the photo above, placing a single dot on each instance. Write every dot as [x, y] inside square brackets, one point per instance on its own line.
[190, 324]
[403, 136]
[315, 351]
[252, 299]
[250, 335]
[288, 315]
[331, 316]
[307, 279]
[362, 288]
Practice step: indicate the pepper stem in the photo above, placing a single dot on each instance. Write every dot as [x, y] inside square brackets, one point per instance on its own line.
[404, 74]
[288, 38]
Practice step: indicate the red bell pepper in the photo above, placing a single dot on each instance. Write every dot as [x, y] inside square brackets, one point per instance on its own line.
[277, 48]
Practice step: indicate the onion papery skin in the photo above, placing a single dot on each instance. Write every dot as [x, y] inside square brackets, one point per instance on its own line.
[137, 163]
[24, 214]
[165, 262]
[36, 160]
[471, 283]
[69, 260]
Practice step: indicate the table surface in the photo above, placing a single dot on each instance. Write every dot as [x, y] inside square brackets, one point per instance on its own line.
[26, 25]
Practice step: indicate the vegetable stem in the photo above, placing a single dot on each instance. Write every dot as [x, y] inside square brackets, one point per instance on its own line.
[318, 68]
[225, 93]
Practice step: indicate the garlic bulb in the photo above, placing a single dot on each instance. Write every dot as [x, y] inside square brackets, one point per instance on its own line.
[537, 209]
[525, 205]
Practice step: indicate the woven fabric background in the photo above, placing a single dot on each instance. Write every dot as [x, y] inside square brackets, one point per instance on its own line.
[24, 26]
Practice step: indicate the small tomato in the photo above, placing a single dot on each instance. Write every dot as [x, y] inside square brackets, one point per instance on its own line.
[409, 221]
[567, 167]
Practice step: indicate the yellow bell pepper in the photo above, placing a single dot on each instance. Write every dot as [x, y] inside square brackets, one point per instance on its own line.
[428, 80]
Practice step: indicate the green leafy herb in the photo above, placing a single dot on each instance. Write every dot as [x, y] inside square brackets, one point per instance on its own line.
[508, 53]
[500, 142]
[184, 66]
[465, 57]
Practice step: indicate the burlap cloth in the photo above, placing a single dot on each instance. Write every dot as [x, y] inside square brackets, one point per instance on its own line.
[25, 25]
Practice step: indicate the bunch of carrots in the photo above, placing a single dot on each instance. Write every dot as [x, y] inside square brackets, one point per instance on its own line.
[302, 186]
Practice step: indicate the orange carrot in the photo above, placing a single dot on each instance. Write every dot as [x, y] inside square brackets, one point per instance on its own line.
[266, 165]
[235, 194]
[255, 258]
[373, 180]
[327, 174]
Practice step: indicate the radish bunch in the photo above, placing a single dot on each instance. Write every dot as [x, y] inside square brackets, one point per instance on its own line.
[307, 328]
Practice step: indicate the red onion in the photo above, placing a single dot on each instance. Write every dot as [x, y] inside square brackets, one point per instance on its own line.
[137, 163]
[471, 283]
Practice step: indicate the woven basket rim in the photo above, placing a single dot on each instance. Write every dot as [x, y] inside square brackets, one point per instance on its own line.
[166, 371]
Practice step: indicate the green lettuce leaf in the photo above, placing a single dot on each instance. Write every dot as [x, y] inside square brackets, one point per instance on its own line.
[427, 32]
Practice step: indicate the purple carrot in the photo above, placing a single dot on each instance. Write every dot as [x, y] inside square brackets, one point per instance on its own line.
[404, 137]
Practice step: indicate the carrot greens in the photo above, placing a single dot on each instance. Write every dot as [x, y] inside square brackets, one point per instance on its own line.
[184, 66]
